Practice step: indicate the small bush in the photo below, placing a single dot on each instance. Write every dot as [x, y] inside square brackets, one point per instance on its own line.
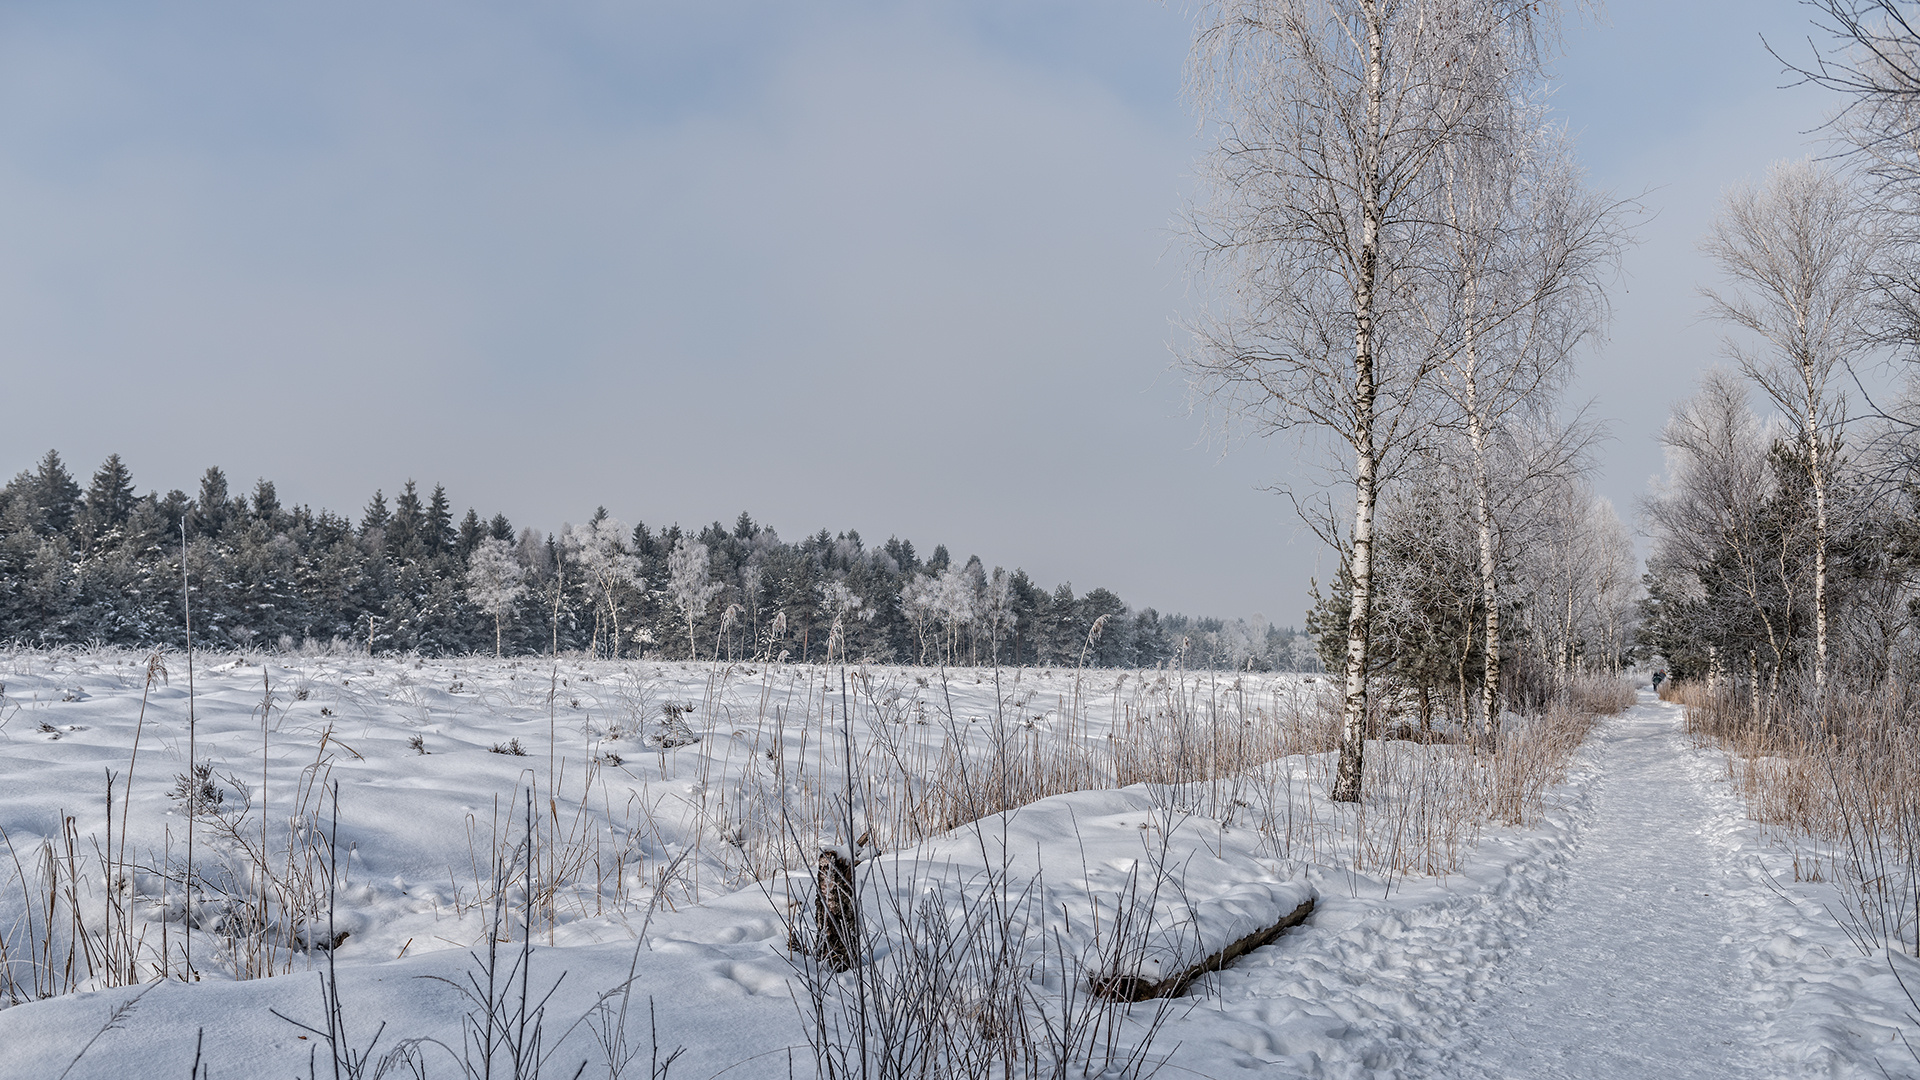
[674, 730]
[196, 792]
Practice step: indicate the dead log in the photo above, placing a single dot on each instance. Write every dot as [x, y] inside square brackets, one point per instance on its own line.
[1140, 988]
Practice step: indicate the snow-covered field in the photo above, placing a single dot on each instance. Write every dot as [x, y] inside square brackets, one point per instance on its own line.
[1080, 823]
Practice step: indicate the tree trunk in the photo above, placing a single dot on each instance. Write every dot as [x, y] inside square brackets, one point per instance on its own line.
[1566, 635]
[1818, 477]
[1483, 515]
[613, 611]
[1353, 718]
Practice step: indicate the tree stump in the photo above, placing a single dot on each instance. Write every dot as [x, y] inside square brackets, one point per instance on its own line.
[836, 914]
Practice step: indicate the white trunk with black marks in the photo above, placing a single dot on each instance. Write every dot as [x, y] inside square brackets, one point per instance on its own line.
[1566, 630]
[1353, 718]
[1483, 514]
[1817, 475]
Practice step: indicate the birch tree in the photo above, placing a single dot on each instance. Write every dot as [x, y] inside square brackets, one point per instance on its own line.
[600, 549]
[1796, 253]
[844, 606]
[1615, 573]
[957, 603]
[1317, 239]
[920, 600]
[996, 610]
[496, 582]
[1527, 243]
[687, 584]
[1722, 570]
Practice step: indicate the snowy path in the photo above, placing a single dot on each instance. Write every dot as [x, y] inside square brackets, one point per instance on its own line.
[1634, 971]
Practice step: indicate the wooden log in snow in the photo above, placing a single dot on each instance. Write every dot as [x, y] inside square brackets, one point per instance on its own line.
[1141, 988]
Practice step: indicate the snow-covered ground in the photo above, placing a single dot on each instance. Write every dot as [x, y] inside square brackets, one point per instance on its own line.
[1639, 927]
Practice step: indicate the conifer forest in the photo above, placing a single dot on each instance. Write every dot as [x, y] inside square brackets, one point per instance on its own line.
[103, 564]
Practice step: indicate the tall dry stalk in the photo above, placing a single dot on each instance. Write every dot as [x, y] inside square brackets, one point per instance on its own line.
[193, 728]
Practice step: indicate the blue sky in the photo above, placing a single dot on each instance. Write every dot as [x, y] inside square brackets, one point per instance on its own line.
[901, 267]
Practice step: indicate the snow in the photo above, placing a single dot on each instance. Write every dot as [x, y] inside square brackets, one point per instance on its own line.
[1643, 927]
[1633, 970]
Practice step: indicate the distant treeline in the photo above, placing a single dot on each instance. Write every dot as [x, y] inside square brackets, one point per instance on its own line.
[104, 564]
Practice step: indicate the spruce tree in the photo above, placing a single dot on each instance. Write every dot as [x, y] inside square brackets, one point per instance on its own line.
[210, 513]
[57, 494]
[471, 533]
[437, 535]
[110, 498]
[174, 509]
[266, 504]
[902, 554]
[376, 516]
[405, 531]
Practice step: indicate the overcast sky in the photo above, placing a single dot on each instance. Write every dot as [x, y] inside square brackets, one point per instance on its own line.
[906, 268]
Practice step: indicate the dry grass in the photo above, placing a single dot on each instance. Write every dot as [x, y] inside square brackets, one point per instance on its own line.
[788, 756]
[1838, 785]
[1601, 695]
